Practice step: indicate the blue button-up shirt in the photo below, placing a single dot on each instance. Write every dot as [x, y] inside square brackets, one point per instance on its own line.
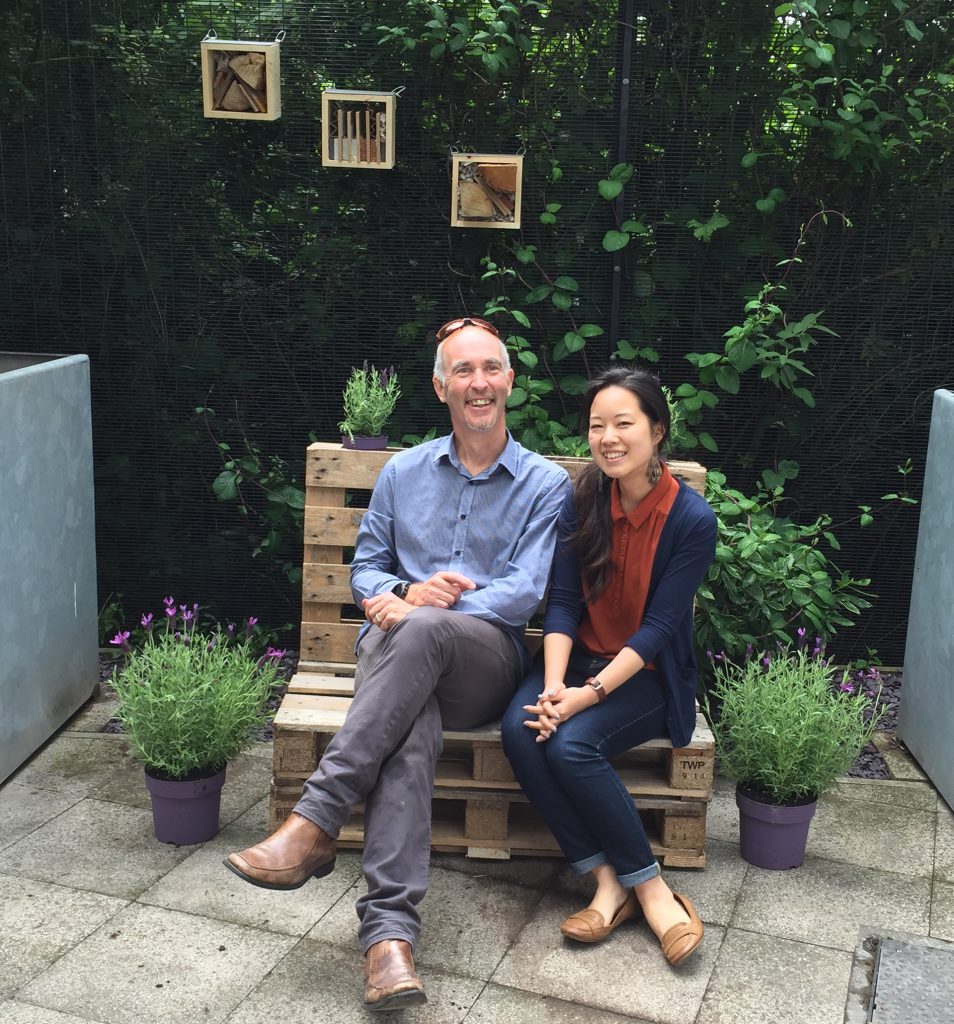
[428, 515]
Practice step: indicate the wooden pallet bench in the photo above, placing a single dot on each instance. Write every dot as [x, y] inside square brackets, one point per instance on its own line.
[478, 807]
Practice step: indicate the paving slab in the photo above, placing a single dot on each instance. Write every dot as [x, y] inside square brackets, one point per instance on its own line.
[95, 713]
[909, 795]
[39, 922]
[318, 983]
[78, 764]
[713, 889]
[722, 816]
[12, 1012]
[873, 836]
[24, 808]
[897, 758]
[942, 911]
[468, 923]
[499, 1005]
[97, 846]
[626, 974]
[201, 884]
[760, 979]
[825, 903]
[153, 966]
[944, 844]
[536, 872]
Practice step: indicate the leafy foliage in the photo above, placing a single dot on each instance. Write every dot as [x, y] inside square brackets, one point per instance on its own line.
[369, 399]
[784, 727]
[190, 701]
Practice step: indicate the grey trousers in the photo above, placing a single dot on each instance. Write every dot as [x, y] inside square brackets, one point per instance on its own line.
[435, 669]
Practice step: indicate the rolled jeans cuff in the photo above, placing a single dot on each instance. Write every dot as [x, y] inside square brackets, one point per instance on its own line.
[638, 877]
[583, 867]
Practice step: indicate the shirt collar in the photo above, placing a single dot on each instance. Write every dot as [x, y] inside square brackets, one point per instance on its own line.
[652, 500]
[509, 458]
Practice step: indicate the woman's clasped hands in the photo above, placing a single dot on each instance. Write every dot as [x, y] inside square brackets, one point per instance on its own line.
[557, 704]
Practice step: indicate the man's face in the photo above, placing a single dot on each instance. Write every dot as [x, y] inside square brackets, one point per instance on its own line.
[476, 385]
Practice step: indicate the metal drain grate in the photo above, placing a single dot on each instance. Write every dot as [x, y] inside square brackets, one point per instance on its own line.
[912, 984]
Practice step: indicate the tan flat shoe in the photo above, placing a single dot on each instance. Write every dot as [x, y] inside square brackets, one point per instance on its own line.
[590, 926]
[674, 939]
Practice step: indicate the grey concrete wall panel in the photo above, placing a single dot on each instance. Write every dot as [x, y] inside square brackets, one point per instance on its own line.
[48, 629]
[926, 722]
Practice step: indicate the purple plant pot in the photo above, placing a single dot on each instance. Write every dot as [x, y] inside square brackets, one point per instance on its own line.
[185, 812]
[773, 836]
[365, 444]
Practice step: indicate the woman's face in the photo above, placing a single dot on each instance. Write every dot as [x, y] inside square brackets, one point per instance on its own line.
[621, 435]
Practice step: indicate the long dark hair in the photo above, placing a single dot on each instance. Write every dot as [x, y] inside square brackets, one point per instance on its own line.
[594, 534]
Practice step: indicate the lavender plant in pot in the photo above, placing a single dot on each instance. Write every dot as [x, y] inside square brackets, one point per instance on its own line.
[369, 398]
[786, 727]
[190, 701]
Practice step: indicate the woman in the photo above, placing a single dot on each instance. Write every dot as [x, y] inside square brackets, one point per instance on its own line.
[618, 666]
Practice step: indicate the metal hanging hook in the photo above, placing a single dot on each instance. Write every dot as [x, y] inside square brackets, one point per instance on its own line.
[281, 36]
[210, 35]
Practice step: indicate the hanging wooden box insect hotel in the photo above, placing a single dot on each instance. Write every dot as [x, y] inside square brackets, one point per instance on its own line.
[241, 80]
[357, 128]
[485, 190]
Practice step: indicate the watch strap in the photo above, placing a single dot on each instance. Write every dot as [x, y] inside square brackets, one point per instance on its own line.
[597, 685]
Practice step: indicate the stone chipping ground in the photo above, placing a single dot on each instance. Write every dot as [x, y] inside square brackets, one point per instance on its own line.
[870, 763]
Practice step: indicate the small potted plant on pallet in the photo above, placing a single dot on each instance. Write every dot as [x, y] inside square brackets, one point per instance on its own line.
[369, 398]
[786, 727]
[191, 701]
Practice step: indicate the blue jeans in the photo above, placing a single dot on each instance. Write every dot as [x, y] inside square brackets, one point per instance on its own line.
[569, 778]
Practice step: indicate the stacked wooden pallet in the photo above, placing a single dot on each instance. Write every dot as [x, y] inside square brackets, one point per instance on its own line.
[478, 806]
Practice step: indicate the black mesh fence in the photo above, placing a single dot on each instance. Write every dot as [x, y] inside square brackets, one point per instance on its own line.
[216, 264]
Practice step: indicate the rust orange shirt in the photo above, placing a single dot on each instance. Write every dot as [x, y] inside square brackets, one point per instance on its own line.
[618, 612]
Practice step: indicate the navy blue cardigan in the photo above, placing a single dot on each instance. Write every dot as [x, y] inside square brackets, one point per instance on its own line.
[684, 553]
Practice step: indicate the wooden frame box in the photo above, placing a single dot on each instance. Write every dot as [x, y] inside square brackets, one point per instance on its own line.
[486, 190]
[241, 80]
[357, 129]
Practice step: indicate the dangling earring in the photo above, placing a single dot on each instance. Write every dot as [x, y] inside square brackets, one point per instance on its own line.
[655, 470]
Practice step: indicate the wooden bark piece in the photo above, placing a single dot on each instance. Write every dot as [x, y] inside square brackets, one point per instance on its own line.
[250, 67]
[502, 177]
[235, 98]
[473, 201]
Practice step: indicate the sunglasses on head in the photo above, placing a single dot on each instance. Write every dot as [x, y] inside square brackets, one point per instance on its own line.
[465, 321]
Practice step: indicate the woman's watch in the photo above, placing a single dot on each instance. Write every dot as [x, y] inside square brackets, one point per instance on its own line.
[597, 685]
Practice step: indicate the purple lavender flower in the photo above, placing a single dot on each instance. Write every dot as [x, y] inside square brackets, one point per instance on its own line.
[210, 646]
[767, 660]
[146, 622]
[749, 651]
[274, 652]
[121, 639]
[709, 655]
[187, 616]
[846, 687]
[801, 633]
[169, 602]
[231, 629]
[250, 624]
[171, 612]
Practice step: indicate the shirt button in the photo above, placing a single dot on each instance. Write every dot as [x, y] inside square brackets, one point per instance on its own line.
[463, 515]
[457, 553]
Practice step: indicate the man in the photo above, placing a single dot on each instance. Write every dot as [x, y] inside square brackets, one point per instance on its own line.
[451, 560]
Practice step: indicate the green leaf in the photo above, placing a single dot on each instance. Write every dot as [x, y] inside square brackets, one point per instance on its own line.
[707, 442]
[589, 330]
[839, 29]
[573, 341]
[567, 284]
[437, 51]
[832, 540]
[783, 9]
[224, 486]
[547, 218]
[805, 395]
[765, 205]
[610, 189]
[750, 159]
[728, 379]
[613, 241]
[624, 350]
[573, 384]
[537, 294]
[517, 397]
[621, 172]
[529, 359]
[562, 300]
[520, 317]
[913, 31]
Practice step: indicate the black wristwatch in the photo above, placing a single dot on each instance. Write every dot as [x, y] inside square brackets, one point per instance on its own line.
[401, 589]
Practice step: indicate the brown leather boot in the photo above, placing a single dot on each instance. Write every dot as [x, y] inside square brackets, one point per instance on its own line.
[299, 850]
[391, 981]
